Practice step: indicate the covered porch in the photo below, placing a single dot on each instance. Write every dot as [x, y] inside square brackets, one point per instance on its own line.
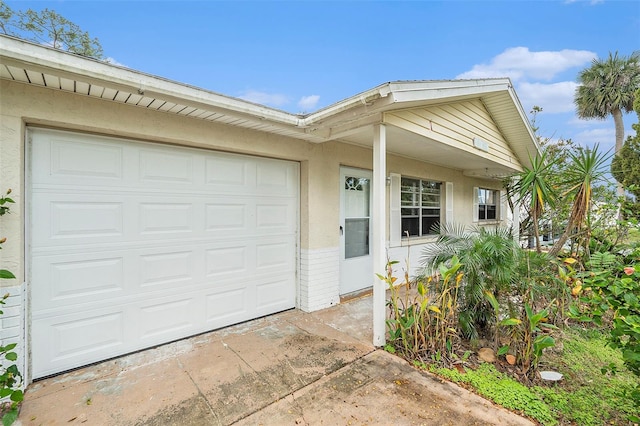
[475, 126]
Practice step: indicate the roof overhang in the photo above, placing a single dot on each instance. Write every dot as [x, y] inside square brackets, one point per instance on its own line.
[350, 120]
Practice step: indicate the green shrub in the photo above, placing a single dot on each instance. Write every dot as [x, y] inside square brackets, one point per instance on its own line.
[10, 377]
[613, 290]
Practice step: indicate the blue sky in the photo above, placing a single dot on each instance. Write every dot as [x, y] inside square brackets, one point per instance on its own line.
[300, 56]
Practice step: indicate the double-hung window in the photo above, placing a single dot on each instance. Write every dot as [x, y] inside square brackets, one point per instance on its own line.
[487, 200]
[420, 205]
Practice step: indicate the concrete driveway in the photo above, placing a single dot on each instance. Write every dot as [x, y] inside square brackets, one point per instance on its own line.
[292, 368]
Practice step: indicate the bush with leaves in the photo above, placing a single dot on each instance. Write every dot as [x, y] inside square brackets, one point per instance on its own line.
[10, 377]
[489, 258]
[10, 381]
[612, 293]
[507, 295]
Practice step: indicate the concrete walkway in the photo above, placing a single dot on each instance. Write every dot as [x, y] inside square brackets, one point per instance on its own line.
[292, 368]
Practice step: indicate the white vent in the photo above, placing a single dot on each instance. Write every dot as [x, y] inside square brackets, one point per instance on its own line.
[481, 144]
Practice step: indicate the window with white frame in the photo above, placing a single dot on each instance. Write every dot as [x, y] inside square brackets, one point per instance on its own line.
[487, 203]
[420, 205]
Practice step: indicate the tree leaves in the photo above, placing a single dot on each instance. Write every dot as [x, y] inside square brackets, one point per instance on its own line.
[49, 28]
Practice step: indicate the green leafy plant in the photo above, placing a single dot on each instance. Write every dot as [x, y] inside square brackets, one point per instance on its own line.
[423, 323]
[588, 168]
[10, 377]
[10, 381]
[496, 386]
[535, 340]
[614, 291]
[585, 397]
[4, 209]
[528, 335]
[506, 322]
[4, 203]
[532, 186]
[489, 258]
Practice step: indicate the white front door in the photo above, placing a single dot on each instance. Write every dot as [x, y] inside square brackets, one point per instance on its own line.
[356, 264]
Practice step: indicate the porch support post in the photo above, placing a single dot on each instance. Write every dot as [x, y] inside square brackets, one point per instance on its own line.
[379, 232]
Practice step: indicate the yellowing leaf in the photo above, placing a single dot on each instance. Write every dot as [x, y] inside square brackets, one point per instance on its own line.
[435, 309]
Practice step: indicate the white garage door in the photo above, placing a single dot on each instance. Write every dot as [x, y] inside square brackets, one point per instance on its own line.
[135, 244]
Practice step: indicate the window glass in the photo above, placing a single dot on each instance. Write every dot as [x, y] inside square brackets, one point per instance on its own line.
[356, 196]
[487, 204]
[357, 216]
[420, 205]
[356, 238]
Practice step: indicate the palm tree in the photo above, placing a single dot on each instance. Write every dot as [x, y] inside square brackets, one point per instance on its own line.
[533, 186]
[489, 258]
[607, 88]
[587, 167]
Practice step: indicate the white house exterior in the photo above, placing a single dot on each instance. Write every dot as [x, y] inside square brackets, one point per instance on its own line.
[148, 210]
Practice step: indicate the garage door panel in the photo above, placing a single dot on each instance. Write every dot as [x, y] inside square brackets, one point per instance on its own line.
[227, 217]
[254, 216]
[272, 295]
[167, 166]
[65, 159]
[273, 256]
[273, 180]
[87, 334]
[227, 260]
[70, 219]
[72, 340]
[135, 244]
[226, 306]
[167, 268]
[86, 219]
[166, 218]
[225, 174]
[274, 217]
[76, 278]
[167, 319]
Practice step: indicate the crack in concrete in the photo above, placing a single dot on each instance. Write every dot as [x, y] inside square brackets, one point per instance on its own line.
[293, 392]
[206, 401]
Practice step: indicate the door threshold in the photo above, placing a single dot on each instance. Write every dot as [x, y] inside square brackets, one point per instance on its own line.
[356, 294]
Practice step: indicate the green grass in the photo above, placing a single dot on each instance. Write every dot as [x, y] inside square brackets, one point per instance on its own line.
[502, 390]
[588, 397]
[585, 396]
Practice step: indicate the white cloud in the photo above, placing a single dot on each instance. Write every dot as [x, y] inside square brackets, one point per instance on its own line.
[553, 98]
[519, 63]
[576, 121]
[264, 98]
[606, 137]
[307, 103]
